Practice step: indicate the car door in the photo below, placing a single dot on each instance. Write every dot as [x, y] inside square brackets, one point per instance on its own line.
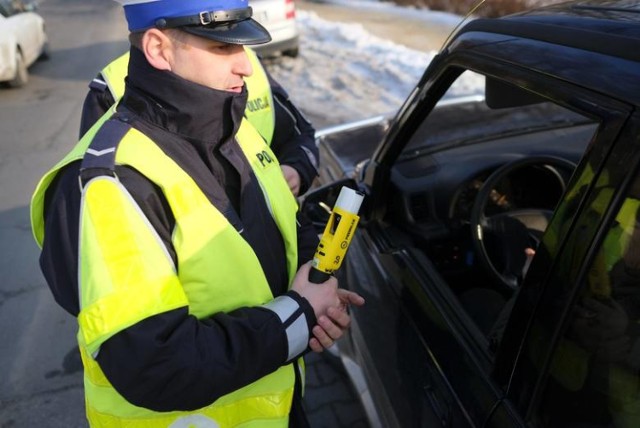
[434, 353]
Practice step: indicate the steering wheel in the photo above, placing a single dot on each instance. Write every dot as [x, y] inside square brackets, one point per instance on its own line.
[514, 231]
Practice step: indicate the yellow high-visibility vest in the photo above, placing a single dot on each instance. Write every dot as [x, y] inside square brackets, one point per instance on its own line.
[126, 274]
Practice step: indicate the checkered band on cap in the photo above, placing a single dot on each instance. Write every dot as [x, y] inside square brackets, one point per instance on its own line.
[143, 14]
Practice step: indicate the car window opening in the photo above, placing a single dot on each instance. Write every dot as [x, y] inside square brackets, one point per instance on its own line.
[481, 240]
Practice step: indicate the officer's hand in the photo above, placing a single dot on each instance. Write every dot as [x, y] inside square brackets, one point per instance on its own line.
[292, 177]
[320, 296]
[332, 326]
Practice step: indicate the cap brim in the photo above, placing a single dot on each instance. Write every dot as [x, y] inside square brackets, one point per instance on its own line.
[246, 32]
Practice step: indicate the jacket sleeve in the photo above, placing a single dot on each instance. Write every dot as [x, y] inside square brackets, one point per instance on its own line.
[294, 137]
[172, 360]
[307, 239]
[96, 103]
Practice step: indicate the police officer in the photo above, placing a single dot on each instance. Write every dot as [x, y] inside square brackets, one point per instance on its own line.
[269, 109]
[170, 232]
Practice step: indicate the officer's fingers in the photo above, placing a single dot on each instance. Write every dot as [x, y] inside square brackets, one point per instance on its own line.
[294, 186]
[303, 272]
[306, 266]
[288, 172]
[350, 298]
[331, 328]
[292, 177]
[315, 345]
[322, 337]
[332, 281]
[339, 317]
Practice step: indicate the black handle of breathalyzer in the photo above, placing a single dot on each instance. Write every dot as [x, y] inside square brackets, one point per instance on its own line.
[317, 276]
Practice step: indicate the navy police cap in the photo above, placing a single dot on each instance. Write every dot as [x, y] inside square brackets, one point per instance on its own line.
[227, 21]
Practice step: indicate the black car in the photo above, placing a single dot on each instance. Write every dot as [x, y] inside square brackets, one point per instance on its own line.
[499, 244]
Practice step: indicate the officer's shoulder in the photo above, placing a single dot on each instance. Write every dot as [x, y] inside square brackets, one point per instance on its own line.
[98, 84]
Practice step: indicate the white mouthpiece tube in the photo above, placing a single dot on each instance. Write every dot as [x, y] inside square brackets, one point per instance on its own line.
[349, 200]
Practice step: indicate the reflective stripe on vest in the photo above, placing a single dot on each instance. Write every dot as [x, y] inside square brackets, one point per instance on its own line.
[259, 110]
[122, 260]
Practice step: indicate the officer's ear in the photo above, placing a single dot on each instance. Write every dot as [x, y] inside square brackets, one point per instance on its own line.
[158, 49]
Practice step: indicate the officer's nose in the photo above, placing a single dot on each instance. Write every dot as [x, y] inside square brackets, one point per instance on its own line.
[242, 65]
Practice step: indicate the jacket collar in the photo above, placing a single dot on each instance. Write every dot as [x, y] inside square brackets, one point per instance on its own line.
[182, 107]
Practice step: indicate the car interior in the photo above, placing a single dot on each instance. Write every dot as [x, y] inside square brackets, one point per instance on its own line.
[476, 186]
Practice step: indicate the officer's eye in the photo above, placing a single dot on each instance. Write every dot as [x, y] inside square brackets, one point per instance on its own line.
[224, 48]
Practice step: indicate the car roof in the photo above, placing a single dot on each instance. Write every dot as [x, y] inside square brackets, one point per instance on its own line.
[579, 42]
[608, 27]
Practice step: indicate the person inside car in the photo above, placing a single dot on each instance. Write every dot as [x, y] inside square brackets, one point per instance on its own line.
[599, 361]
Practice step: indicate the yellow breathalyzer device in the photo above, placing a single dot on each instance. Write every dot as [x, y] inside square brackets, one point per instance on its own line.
[337, 235]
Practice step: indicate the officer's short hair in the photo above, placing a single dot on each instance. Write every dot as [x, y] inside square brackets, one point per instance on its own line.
[135, 38]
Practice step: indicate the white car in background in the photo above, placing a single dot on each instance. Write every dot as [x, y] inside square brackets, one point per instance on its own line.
[22, 41]
[279, 18]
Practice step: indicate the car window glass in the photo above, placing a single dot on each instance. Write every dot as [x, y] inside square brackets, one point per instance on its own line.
[442, 170]
[595, 370]
[466, 116]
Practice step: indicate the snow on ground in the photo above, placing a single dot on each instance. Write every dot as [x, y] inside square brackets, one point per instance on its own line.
[429, 16]
[344, 73]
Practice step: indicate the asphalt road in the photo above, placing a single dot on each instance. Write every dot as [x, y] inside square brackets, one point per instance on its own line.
[40, 370]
